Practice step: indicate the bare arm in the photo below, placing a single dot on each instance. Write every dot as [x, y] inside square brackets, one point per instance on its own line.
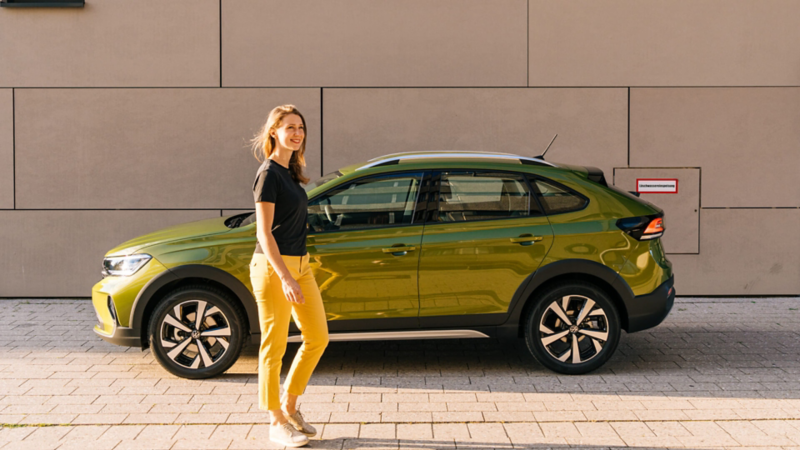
[265, 214]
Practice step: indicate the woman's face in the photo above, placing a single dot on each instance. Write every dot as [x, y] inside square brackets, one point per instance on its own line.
[290, 133]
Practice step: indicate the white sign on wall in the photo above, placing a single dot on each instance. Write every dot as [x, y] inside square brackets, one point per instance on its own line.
[657, 185]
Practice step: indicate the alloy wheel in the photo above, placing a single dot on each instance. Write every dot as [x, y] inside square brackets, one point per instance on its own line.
[195, 334]
[574, 329]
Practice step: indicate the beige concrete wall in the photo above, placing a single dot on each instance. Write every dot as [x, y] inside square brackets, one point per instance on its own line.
[664, 43]
[747, 140]
[364, 123]
[146, 148]
[130, 116]
[743, 252]
[6, 149]
[374, 43]
[111, 43]
[231, 212]
[60, 253]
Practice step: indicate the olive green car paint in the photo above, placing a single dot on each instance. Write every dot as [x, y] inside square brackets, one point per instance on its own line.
[358, 280]
[457, 269]
[472, 268]
[199, 228]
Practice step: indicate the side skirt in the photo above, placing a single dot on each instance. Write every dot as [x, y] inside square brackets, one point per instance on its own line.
[399, 335]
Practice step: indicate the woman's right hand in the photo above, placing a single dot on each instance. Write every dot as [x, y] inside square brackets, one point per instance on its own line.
[292, 291]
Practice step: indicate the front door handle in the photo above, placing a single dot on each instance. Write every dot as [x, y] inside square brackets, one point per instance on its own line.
[399, 249]
[526, 239]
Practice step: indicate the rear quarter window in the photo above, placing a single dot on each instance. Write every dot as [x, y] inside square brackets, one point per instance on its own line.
[558, 199]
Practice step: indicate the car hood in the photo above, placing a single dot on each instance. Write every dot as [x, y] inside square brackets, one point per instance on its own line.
[175, 233]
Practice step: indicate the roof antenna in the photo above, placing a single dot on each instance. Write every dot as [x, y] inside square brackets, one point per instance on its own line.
[548, 148]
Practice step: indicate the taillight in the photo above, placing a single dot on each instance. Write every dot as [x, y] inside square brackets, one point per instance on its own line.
[643, 228]
[656, 226]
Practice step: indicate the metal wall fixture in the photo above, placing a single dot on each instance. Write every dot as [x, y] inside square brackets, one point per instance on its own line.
[43, 3]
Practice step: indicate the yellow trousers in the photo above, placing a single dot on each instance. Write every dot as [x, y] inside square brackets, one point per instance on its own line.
[274, 312]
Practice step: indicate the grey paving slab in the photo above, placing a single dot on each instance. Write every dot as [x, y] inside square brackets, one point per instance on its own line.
[717, 373]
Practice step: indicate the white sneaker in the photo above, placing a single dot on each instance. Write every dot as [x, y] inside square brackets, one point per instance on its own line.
[300, 424]
[287, 435]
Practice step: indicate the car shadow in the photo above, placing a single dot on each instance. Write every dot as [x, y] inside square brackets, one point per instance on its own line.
[436, 444]
[707, 348]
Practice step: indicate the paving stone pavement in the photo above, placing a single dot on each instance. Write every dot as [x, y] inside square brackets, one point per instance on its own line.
[718, 373]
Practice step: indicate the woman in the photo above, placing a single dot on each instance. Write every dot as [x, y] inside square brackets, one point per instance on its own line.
[282, 280]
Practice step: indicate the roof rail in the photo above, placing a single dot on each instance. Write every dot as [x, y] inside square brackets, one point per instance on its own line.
[453, 154]
[428, 152]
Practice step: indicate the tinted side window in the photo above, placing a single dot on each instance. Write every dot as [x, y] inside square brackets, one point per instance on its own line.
[556, 199]
[473, 195]
[366, 203]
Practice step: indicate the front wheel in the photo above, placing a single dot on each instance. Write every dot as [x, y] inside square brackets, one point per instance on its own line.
[196, 332]
[573, 328]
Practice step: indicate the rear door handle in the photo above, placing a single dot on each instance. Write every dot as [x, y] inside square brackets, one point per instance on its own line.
[399, 249]
[526, 239]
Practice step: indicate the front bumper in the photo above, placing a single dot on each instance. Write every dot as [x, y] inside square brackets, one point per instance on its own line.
[127, 337]
[647, 311]
[113, 298]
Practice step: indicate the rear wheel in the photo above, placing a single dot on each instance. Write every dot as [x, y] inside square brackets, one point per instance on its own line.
[573, 328]
[196, 332]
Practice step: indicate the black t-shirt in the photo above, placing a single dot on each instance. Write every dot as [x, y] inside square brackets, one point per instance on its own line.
[274, 184]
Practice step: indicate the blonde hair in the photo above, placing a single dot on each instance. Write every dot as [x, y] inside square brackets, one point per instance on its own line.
[264, 145]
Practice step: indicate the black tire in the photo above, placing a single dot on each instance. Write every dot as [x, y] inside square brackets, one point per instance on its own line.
[552, 341]
[178, 350]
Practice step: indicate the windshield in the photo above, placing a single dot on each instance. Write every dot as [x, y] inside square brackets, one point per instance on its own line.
[241, 220]
[322, 180]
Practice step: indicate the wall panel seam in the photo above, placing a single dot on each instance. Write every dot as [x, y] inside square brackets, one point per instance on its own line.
[750, 207]
[14, 148]
[125, 209]
[321, 134]
[220, 43]
[528, 45]
[380, 87]
[39, 297]
[153, 87]
[699, 207]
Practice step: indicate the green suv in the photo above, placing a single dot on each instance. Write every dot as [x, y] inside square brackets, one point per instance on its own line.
[418, 245]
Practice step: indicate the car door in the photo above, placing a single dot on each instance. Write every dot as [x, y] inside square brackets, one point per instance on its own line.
[364, 243]
[486, 235]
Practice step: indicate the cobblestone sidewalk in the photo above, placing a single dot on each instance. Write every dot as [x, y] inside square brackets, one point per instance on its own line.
[718, 373]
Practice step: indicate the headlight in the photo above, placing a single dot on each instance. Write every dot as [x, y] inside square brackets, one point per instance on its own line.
[123, 266]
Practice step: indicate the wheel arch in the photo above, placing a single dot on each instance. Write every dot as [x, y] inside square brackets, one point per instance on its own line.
[159, 286]
[569, 269]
